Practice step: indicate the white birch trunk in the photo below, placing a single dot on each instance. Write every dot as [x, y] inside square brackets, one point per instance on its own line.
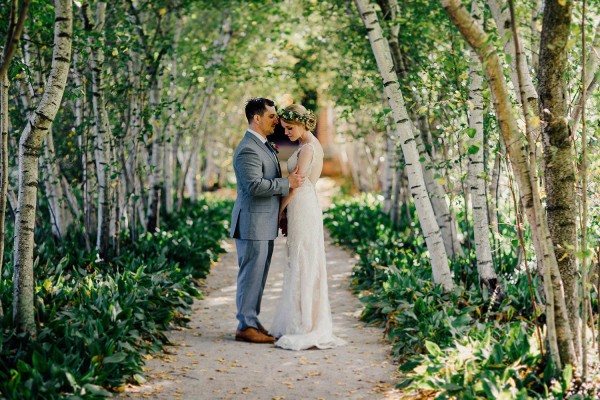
[102, 133]
[443, 216]
[431, 230]
[29, 149]
[501, 16]
[483, 250]
[396, 194]
[156, 163]
[60, 215]
[16, 23]
[4, 85]
[592, 75]
[82, 141]
[388, 168]
[520, 77]
[171, 152]
[494, 199]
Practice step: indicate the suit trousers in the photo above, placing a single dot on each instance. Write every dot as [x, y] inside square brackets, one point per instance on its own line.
[254, 260]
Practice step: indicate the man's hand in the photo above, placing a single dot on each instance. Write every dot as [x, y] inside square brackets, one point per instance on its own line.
[296, 179]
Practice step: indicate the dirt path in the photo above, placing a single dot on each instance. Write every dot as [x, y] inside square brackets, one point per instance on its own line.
[207, 363]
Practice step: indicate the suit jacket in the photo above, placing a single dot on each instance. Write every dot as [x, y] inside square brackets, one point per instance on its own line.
[259, 191]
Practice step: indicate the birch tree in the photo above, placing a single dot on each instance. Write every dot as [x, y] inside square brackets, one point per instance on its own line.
[29, 150]
[477, 185]
[86, 163]
[431, 230]
[504, 22]
[60, 215]
[16, 23]
[102, 131]
[590, 80]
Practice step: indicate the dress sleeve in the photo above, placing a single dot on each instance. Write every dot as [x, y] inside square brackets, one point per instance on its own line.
[305, 158]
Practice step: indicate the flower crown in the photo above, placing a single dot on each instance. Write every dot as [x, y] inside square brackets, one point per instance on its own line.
[290, 115]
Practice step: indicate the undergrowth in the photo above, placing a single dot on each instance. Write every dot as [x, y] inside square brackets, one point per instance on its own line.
[461, 344]
[96, 320]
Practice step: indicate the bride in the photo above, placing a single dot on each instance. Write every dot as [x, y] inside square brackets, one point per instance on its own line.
[303, 316]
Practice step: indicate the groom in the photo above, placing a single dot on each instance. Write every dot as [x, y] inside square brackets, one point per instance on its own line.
[254, 218]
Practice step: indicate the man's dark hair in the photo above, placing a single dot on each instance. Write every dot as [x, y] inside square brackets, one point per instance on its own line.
[257, 106]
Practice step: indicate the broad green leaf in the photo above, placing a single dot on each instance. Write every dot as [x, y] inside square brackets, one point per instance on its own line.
[473, 149]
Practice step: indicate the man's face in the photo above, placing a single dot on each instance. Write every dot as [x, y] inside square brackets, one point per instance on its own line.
[266, 123]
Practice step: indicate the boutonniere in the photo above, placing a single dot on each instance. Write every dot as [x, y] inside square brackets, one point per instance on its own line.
[274, 146]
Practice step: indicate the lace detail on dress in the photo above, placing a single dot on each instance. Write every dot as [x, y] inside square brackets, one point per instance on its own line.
[303, 316]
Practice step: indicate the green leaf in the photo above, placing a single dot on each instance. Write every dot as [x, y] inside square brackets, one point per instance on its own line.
[433, 349]
[97, 390]
[115, 358]
[471, 132]
[473, 149]
[410, 365]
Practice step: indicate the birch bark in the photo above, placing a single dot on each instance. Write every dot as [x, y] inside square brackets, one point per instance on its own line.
[16, 24]
[520, 77]
[388, 167]
[3, 167]
[157, 178]
[82, 141]
[61, 217]
[29, 150]
[102, 132]
[431, 230]
[504, 23]
[592, 75]
[171, 152]
[483, 249]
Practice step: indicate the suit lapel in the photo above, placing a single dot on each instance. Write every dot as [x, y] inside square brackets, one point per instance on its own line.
[263, 146]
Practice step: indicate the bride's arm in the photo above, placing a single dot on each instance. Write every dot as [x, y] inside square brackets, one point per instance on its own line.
[285, 201]
[304, 160]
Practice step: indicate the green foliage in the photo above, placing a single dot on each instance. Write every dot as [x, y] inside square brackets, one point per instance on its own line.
[503, 363]
[459, 344]
[97, 320]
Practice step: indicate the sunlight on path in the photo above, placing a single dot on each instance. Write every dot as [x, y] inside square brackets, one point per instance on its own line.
[207, 363]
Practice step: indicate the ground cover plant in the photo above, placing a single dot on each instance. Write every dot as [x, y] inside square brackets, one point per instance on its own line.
[464, 344]
[96, 320]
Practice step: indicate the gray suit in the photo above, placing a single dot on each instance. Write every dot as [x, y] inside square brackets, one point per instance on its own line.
[254, 222]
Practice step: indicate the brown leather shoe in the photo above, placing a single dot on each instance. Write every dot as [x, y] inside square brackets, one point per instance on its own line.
[262, 330]
[253, 335]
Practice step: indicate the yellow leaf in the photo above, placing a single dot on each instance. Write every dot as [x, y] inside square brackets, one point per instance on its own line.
[162, 11]
[115, 52]
[562, 2]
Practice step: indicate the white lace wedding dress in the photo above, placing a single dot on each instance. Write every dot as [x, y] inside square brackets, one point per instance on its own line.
[303, 316]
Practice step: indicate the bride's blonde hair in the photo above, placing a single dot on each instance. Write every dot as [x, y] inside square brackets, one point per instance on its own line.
[298, 115]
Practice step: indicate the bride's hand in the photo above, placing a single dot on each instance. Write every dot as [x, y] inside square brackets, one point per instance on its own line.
[283, 223]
